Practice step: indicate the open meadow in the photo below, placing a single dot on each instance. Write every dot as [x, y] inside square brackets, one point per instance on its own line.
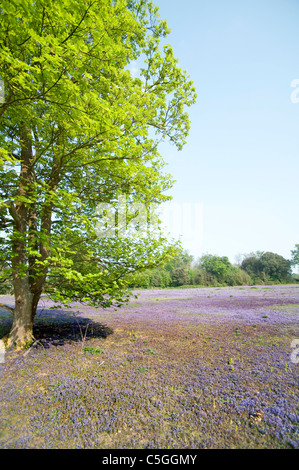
[176, 368]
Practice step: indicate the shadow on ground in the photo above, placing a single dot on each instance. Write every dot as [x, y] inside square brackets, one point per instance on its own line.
[59, 327]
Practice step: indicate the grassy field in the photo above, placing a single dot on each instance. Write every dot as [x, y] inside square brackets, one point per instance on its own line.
[176, 368]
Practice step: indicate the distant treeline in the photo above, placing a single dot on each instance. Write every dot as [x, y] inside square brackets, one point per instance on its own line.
[211, 270]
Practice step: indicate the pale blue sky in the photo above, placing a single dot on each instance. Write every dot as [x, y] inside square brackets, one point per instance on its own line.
[241, 161]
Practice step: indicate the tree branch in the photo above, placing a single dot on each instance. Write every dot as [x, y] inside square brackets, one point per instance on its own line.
[13, 212]
[80, 22]
[7, 308]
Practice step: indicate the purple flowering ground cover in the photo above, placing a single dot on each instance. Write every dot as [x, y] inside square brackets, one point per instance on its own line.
[176, 368]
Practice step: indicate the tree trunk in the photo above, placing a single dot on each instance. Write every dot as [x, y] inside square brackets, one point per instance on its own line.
[28, 283]
[21, 333]
[35, 301]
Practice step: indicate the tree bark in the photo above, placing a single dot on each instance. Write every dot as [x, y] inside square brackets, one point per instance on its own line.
[21, 333]
[28, 281]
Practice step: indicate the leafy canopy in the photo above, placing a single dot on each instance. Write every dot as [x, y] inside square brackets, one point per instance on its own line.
[218, 266]
[267, 265]
[78, 129]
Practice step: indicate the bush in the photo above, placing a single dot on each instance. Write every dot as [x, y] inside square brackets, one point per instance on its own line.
[267, 267]
[238, 277]
[180, 276]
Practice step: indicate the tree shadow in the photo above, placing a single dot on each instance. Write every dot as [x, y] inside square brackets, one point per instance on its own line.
[57, 327]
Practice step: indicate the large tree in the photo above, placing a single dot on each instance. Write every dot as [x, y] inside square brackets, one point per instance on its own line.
[275, 266]
[253, 266]
[217, 266]
[79, 128]
[267, 266]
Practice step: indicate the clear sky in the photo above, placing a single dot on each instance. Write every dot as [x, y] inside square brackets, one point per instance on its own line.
[241, 162]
